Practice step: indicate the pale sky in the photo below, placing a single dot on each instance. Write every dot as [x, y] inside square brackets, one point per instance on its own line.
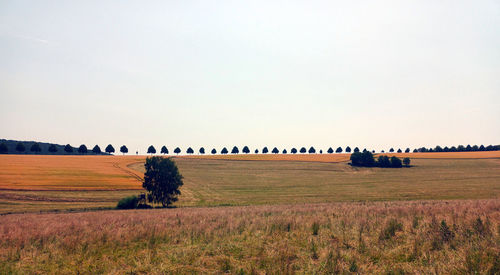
[374, 74]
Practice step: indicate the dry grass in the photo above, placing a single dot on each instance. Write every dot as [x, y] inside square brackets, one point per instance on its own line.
[438, 237]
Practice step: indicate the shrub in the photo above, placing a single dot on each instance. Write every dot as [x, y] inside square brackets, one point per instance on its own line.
[396, 162]
[406, 162]
[390, 229]
[383, 161]
[128, 203]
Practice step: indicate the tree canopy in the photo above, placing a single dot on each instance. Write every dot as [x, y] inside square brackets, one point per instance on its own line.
[312, 150]
[164, 150]
[151, 150]
[202, 151]
[256, 151]
[190, 150]
[214, 151]
[224, 151]
[35, 148]
[52, 148]
[124, 149]
[162, 180]
[20, 147]
[68, 148]
[82, 149]
[3, 148]
[96, 149]
[339, 150]
[235, 150]
[284, 151]
[348, 149]
[246, 150]
[177, 150]
[265, 150]
[110, 149]
[303, 150]
[275, 150]
[330, 150]
[294, 151]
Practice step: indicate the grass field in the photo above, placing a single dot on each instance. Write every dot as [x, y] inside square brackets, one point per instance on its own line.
[39, 183]
[436, 237]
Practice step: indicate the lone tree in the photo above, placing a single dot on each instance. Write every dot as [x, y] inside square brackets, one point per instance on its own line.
[162, 180]
[164, 150]
[214, 151]
[151, 150]
[110, 149]
[303, 150]
[406, 162]
[68, 148]
[3, 148]
[190, 150]
[348, 149]
[52, 148]
[96, 149]
[124, 149]
[20, 147]
[275, 150]
[82, 149]
[330, 150]
[224, 151]
[265, 150]
[35, 148]
[235, 150]
[294, 151]
[339, 150]
[202, 151]
[177, 150]
[246, 150]
[312, 150]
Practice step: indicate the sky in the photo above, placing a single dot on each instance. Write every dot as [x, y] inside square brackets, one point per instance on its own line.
[372, 74]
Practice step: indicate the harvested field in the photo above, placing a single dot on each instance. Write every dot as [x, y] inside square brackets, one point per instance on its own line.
[426, 237]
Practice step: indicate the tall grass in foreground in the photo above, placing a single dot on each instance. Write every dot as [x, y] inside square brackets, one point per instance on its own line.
[380, 237]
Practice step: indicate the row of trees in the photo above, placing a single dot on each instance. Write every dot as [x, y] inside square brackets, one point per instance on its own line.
[35, 147]
[366, 159]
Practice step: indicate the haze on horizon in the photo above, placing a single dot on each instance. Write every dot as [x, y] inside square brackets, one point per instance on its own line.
[257, 73]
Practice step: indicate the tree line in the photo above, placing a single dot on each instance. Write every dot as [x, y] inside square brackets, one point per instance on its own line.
[35, 148]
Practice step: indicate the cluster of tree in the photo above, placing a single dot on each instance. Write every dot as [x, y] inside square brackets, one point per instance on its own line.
[366, 159]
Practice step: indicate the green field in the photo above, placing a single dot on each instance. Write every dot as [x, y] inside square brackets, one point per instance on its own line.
[222, 182]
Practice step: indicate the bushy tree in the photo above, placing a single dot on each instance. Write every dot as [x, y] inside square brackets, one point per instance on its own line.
[303, 150]
[164, 150]
[52, 148]
[406, 162]
[312, 150]
[82, 149]
[284, 151]
[151, 150]
[256, 151]
[357, 150]
[246, 150]
[202, 151]
[330, 150]
[162, 180]
[383, 161]
[396, 162]
[275, 150]
[124, 149]
[68, 148]
[110, 149]
[391, 150]
[407, 150]
[339, 150]
[224, 151]
[415, 150]
[177, 150]
[468, 148]
[190, 151]
[460, 148]
[348, 149]
[35, 148]
[20, 147]
[294, 151]
[475, 148]
[96, 149]
[265, 150]
[438, 149]
[399, 150]
[481, 148]
[214, 151]
[3, 148]
[235, 150]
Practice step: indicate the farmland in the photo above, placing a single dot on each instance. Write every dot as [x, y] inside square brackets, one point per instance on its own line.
[40, 183]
